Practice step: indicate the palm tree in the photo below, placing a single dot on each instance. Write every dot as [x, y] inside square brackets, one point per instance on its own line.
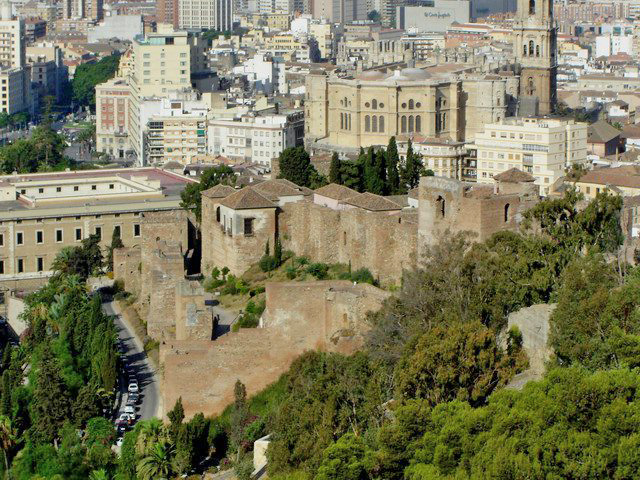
[151, 432]
[8, 440]
[99, 475]
[157, 464]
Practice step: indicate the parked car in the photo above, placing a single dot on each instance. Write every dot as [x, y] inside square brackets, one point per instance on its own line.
[123, 421]
[133, 387]
[134, 398]
[130, 410]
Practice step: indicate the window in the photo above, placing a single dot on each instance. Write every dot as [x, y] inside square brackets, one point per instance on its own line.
[1, 239]
[506, 213]
[99, 232]
[440, 207]
[111, 186]
[1, 266]
[41, 190]
[117, 230]
[94, 187]
[418, 123]
[532, 7]
[411, 123]
[136, 227]
[410, 104]
[39, 264]
[39, 237]
[374, 104]
[367, 123]
[374, 126]
[20, 265]
[78, 234]
[58, 189]
[58, 235]
[248, 226]
[76, 188]
[403, 124]
[19, 238]
[381, 124]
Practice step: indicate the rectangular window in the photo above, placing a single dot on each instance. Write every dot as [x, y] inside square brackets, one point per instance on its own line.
[1, 239]
[58, 235]
[111, 186]
[99, 232]
[20, 265]
[94, 187]
[39, 264]
[1, 266]
[117, 230]
[78, 234]
[136, 230]
[19, 238]
[58, 189]
[39, 237]
[41, 190]
[76, 188]
[248, 226]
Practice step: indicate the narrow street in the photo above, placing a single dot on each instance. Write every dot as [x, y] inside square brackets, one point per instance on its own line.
[145, 373]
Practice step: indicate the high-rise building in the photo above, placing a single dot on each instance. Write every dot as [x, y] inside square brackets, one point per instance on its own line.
[210, 14]
[12, 38]
[535, 47]
[167, 12]
[82, 9]
[340, 11]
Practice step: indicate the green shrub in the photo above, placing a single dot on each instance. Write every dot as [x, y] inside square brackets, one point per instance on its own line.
[318, 270]
[363, 275]
[268, 263]
[302, 261]
[292, 272]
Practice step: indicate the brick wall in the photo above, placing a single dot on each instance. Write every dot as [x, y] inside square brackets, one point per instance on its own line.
[299, 316]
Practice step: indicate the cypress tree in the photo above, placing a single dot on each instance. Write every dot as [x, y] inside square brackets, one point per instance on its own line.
[277, 252]
[176, 416]
[410, 175]
[377, 178]
[393, 179]
[334, 169]
[116, 242]
[295, 166]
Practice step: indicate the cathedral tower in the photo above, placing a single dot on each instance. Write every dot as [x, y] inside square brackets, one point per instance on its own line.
[535, 48]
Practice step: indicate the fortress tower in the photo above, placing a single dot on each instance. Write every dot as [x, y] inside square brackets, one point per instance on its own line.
[535, 48]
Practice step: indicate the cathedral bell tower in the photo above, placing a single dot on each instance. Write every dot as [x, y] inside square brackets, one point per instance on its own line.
[535, 48]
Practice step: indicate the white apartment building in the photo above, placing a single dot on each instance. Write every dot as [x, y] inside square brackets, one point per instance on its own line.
[177, 132]
[607, 45]
[207, 14]
[265, 72]
[12, 38]
[443, 157]
[543, 147]
[255, 137]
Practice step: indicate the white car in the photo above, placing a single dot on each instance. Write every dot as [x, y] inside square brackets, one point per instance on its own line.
[133, 387]
[130, 410]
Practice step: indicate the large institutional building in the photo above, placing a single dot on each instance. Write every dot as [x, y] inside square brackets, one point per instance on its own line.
[45, 212]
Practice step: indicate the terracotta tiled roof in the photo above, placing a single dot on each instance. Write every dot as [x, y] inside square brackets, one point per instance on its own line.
[601, 132]
[627, 176]
[274, 189]
[247, 198]
[336, 192]
[514, 175]
[304, 190]
[219, 191]
[373, 202]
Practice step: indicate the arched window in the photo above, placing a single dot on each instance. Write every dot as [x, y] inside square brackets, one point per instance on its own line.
[532, 7]
[418, 123]
[374, 104]
[342, 121]
[381, 124]
[218, 214]
[403, 124]
[410, 123]
[531, 48]
[410, 104]
[375, 124]
[537, 50]
[506, 213]
[524, 48]
[367, 121]
[440, 207]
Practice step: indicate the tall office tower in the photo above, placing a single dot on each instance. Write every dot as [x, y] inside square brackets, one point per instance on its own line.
[167, 12]
[12, 38]
[83, 9]
[340, 11]
[535, 46]
[275, 6]
[215, 14]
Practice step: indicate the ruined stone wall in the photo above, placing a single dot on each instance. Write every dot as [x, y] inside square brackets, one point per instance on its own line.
[127, 267]
[194, 321]
[383, 243]
[299, 317]
[166, 270]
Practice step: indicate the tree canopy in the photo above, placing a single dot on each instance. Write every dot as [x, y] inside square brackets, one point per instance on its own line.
[88, 75]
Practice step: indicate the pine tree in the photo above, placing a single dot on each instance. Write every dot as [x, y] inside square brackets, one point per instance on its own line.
[334, 169]
[369, 171]
[410, 175]
[50, 405]
[393, 179]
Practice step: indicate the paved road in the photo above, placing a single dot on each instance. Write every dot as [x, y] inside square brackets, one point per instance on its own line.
[135, 355]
